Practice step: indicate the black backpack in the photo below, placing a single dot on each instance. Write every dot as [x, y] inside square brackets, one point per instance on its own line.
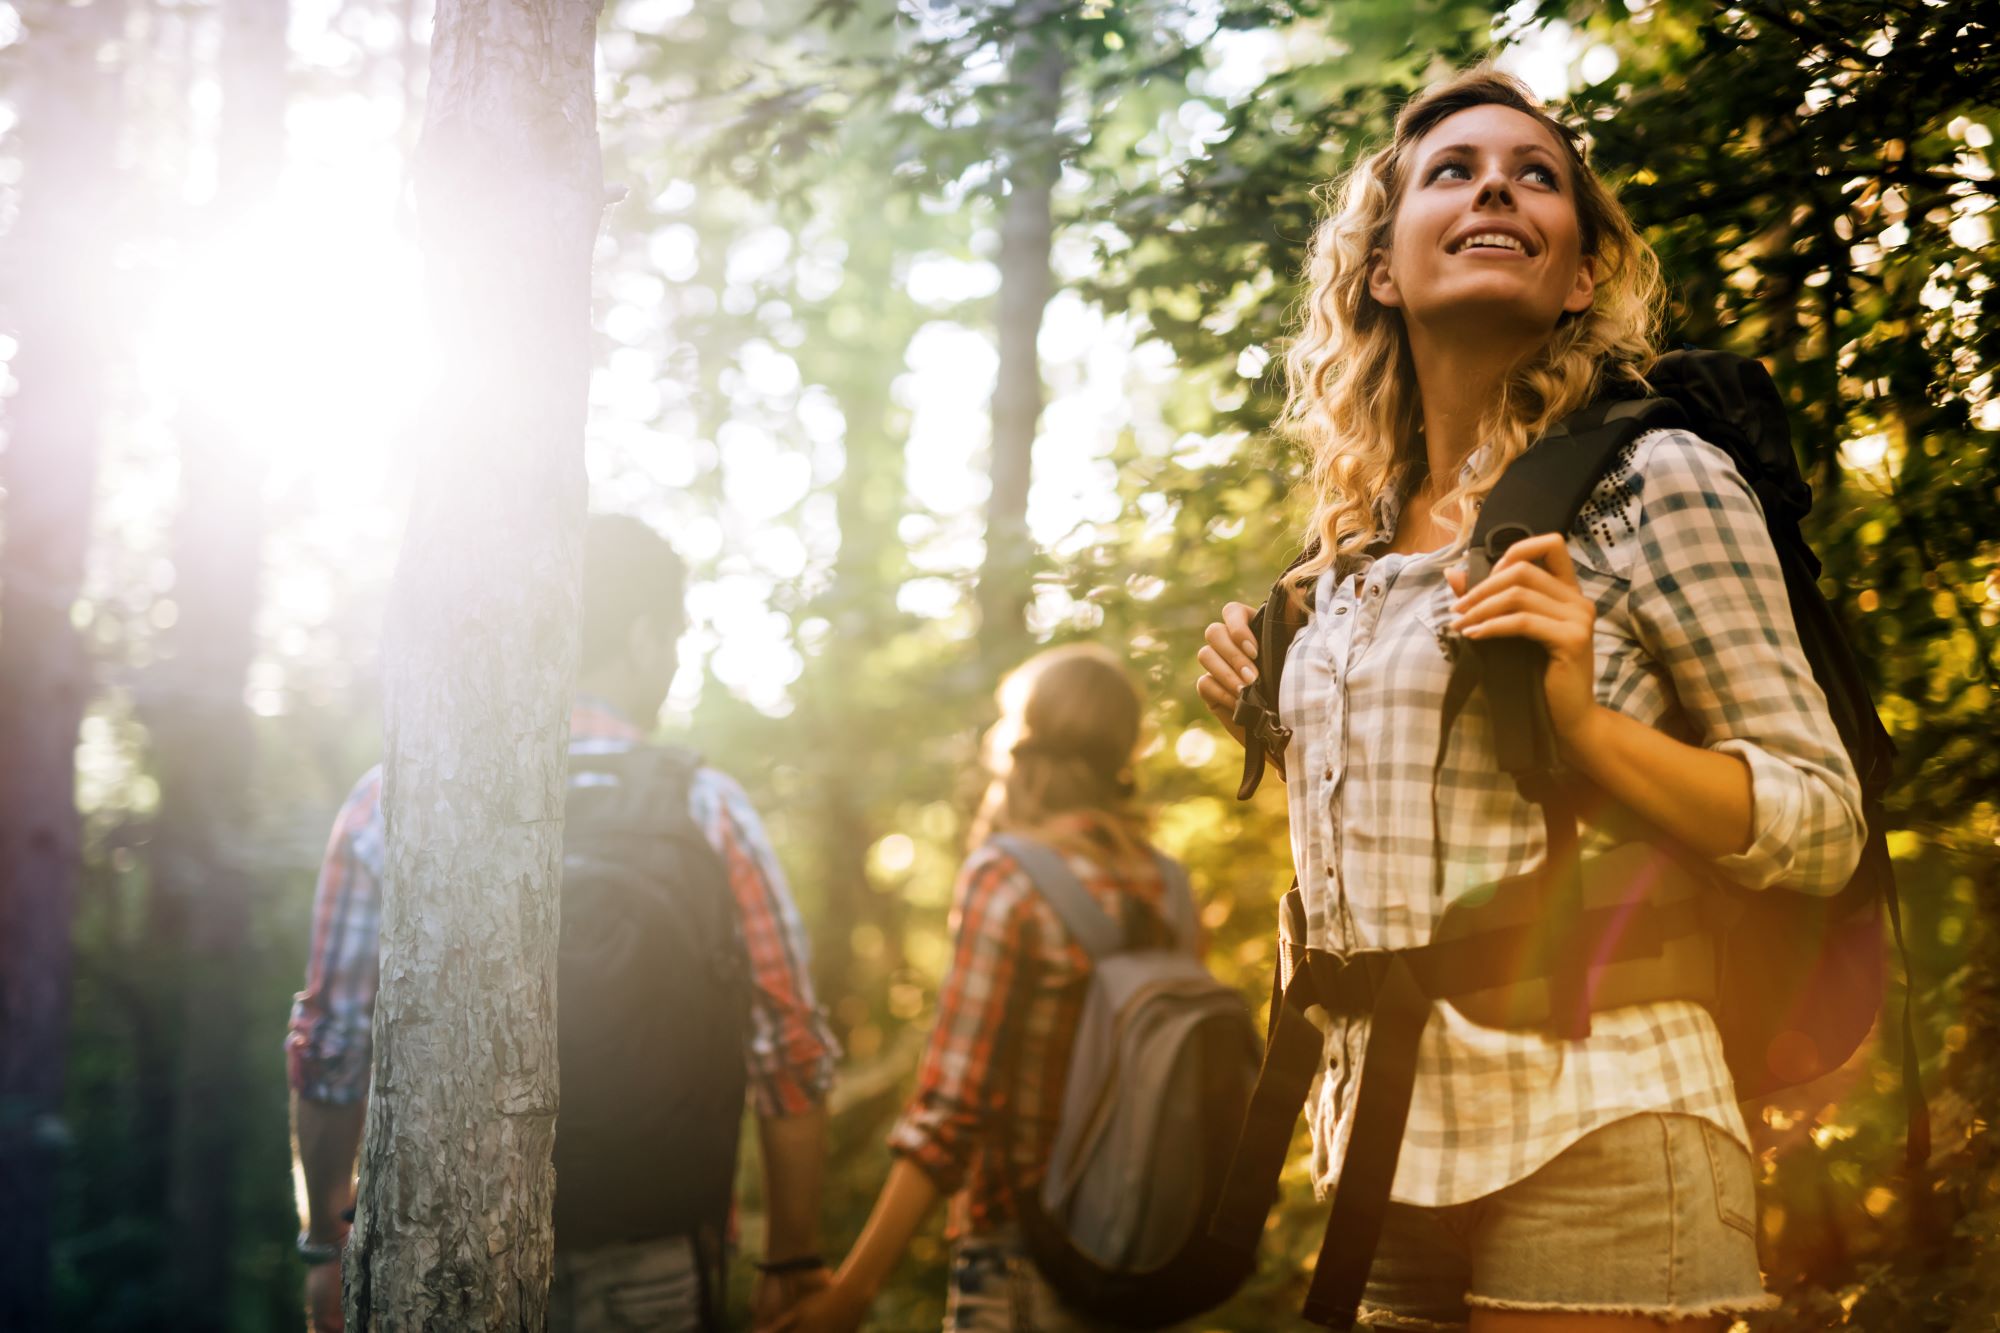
[1793, 980]
[652, 1008]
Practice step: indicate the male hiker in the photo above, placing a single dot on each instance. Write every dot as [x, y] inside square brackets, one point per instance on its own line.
[682, 978]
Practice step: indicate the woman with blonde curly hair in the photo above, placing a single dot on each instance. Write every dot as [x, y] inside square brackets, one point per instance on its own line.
[991, 1081]
[1475, 285]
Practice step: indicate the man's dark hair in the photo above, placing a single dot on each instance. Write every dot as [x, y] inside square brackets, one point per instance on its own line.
[629, 571]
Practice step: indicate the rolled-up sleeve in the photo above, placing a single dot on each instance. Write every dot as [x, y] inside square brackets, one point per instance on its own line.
[329, 1041]
[1709, 604]
[956, 1098]
[791, 1050]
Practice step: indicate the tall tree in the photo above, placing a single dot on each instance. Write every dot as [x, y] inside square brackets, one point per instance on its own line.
[456, 1181]
[846, 703]
[197, 717]
[68, 102]
[1027, 233]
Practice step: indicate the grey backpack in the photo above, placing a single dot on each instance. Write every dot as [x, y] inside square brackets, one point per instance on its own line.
[1158, 1083]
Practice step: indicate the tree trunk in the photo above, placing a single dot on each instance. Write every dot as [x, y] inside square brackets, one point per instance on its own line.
[453, 1225]
[1027, 230]
[200, 727]
[869, 499]
[68, 99]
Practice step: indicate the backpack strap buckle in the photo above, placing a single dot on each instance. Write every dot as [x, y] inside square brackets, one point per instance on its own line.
[1263, 734]
[1348, 983]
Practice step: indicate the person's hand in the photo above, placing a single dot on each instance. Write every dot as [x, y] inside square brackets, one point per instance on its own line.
[775, 1293]
[323, 1298]
[1533, 594]
[1227, 663]
[834, 1308]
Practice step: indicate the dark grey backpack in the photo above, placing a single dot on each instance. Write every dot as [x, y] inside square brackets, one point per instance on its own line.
[1158, 1082]
[652, 1013]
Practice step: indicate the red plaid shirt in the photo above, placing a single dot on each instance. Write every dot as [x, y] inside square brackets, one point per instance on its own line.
[1007, 1015]
[791, 1051]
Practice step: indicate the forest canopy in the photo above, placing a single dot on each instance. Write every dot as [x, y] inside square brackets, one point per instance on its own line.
[899, 447]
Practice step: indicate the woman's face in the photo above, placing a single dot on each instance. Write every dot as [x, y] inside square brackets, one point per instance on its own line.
[1487, 228]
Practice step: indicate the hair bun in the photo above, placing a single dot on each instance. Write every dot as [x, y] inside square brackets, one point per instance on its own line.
[1055, 749]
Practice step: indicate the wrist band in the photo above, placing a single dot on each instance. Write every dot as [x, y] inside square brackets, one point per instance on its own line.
[804, 1263]
[317, 1252]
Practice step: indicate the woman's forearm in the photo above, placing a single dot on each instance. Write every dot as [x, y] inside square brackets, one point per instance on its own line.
[1700, 797]
[900, 1209]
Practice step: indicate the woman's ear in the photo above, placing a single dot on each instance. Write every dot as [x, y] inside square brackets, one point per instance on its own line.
[1584, 290]
[1381, 283]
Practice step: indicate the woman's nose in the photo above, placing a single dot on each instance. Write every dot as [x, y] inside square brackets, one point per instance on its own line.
[1495, 189]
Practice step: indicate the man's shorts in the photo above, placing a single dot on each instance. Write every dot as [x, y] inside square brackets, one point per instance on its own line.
[648, 1287]
[1655, 1214]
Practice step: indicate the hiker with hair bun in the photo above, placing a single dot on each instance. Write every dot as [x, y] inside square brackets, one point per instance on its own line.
[990, 1092]
[1563, 1162]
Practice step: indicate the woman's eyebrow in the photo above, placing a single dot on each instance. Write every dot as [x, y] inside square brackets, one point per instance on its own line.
[1520, 150]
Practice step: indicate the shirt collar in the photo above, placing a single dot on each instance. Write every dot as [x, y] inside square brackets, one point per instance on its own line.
[595, 718]
[1389, 505]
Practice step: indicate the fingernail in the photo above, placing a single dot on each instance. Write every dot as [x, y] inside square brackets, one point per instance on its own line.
[1249, 674]
[1250, 647]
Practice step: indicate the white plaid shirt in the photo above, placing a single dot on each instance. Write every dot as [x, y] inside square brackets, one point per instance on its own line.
[1695, 637]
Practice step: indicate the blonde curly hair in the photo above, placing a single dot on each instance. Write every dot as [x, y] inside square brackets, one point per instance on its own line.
[1352, 397]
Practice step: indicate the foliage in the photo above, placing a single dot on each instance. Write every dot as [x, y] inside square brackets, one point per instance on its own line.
[805, 240]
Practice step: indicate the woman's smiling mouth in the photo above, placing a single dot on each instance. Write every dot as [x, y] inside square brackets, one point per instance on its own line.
[1490, 241]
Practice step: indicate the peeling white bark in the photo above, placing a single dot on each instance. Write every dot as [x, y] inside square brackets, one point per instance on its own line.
[452, 1228]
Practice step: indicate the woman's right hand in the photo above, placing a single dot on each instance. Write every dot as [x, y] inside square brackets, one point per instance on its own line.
[1227, 663]
[836, 1308]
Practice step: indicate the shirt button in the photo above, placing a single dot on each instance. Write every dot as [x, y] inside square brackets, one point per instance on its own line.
[1329, 775]
[1340, 610]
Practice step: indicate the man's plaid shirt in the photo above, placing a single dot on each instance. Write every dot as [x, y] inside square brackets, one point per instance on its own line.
[1695, 637]
[1007, 1015]
[790, 1053]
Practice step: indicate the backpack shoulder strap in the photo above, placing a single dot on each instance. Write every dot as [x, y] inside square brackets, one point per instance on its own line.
[1275, 626]
[1090, 925]
[1543, 491]
[1176, 900]
[636, 788]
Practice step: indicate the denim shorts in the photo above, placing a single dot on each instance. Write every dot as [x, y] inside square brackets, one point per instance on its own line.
[1655, 1214]
[996, 1288]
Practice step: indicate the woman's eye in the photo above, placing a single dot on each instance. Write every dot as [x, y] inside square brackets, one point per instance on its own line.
[1438, 171]
[1547, 174]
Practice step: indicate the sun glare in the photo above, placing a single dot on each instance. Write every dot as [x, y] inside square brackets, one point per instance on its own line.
[297, 331]
[300, 330]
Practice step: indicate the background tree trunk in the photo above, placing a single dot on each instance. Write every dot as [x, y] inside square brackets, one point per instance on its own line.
[200, 725]
[456, 1182]
[68, 97]
[1027, 231]
[869, 498]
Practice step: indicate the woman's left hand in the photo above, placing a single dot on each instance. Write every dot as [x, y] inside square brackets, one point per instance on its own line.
[1533, 594]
